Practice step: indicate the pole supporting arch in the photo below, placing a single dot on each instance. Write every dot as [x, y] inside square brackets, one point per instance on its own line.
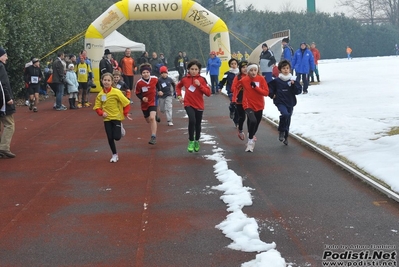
[187, 10]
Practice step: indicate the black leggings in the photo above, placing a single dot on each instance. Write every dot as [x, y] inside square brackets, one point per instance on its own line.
[113, 131]
[241, 116]
[194, 122]
[253, 121]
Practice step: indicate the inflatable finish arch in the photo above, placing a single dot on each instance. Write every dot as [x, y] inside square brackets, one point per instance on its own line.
[187, 10]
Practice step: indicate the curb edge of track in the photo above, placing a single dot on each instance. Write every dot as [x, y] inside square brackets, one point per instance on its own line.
[388, 192]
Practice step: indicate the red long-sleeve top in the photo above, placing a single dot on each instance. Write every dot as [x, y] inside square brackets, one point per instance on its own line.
[193, 94]
[253, 98]
[237, 89]
[147, 89]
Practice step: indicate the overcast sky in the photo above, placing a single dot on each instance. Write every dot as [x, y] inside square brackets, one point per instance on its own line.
[328, 6]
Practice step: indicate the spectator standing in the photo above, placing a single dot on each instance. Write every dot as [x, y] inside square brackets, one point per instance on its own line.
[83, 71]
[59, 80]
[143, 58]
[72, 85]
[348, 52]
[316, 56]
[128, 65]
[186, 60]
[288, 51]
[266, 62]
[7, 109]
[396, 49]
[156, 64]
[33, 76]
[105, 63]
[180, 65]
[164, 59]
[212, 67]
[303, 63]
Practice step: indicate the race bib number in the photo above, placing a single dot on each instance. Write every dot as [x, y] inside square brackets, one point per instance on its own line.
[144, 89]
[104, 98]
[181, 64]
[257, 84]
[34, 79]
[164, 85]
[118, 86]
[191, 88]
[82, 71]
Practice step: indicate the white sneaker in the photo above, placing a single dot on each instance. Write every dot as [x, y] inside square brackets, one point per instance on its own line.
[170, 123]
[27, 103]
[123, 131]
[114, 158]
[250, 146]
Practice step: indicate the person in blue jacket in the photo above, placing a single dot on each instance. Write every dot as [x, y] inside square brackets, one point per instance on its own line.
[212, 67]
[283, 90]
[288, 51]
[227, 80]
[303, 63]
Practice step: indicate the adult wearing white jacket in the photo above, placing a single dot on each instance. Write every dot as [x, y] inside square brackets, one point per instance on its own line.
[73, 85]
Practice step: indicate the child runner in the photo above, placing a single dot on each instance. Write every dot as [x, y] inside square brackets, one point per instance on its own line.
[120, 84]
[255, 88]
[146, 91]
[283, 90]
[195, 87]
[227, 80]
[72, 84]
[113, 106]
[165, 93]
[237, 90]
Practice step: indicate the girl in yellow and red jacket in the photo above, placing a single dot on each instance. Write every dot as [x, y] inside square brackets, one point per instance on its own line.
[255, 89]
[195, 87]
[113, 106]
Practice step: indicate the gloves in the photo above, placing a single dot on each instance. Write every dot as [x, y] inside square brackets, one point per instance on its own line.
[253, 85]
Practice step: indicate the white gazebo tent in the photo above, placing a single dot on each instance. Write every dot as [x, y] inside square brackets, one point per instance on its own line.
[117, 42]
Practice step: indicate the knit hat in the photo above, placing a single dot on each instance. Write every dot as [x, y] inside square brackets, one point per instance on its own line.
[252, 66]
[285, 40]
[34, 60]
[242, 64]
[163, 69]
[71, 66]
[107, 52]
[2, 51]
[145, 67]
[264, 45]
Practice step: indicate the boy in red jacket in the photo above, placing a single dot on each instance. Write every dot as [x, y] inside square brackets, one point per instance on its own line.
[146, 91]
[255, 89]
[195, 87]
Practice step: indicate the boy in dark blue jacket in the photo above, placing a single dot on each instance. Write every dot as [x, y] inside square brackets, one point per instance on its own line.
[283, 90]
[227, 80]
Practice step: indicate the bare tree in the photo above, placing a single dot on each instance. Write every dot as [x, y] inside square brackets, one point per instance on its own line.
[391, 10]
[287, 7]
[364, 9]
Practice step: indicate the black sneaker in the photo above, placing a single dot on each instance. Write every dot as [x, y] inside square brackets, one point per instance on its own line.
[281, 136]
[153, 140]
[158, 119]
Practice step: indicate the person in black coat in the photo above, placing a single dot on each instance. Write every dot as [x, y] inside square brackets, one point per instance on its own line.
[105, 63]
[7, 109]
[283, 91]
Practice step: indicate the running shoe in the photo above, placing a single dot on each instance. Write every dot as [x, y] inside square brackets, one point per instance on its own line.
[196, 146]
[153, 140]
[190, 147]
[114, 158]
[241, 135]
